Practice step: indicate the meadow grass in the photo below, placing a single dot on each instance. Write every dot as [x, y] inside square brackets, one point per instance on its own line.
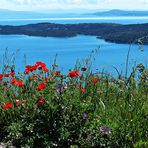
[45, 108]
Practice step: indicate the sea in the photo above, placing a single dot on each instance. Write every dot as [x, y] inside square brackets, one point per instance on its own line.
[22, 50]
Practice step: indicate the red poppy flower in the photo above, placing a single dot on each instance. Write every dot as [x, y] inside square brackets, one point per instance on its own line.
[30, 68]
[40, 101]
[83, 90]
[6, 75]
[83, 69]
[11, 74]
[57, 72]
[19, 83]
[1, 77]
[13, 81]
[16, 82]
[95, 80]
[46, 80]
[45, 69]
[40, 64]
[7, 106]
[41, 86]
[26, 72]
[74, 74]
[33, 68]
[17, 102]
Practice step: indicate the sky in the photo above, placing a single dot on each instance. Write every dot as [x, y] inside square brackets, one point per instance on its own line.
[49, 5]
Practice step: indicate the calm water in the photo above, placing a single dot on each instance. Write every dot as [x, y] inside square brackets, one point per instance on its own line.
[75, 20]
[70, 49]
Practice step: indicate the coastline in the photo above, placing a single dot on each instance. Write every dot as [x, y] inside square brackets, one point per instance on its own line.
[110, 32]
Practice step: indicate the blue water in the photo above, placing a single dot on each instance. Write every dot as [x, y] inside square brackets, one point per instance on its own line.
[69, 50]
[76, 20]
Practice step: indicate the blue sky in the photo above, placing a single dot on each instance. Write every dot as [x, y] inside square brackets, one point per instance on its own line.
[50, 5]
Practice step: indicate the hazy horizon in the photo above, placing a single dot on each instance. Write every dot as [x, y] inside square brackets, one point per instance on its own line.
[68, 11]
[72, 6]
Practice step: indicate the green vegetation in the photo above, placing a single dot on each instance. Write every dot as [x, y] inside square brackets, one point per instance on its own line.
[110, 32]
[45, 108]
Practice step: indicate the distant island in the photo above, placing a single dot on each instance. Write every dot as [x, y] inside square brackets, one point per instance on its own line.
[110, 32]
[118, 12]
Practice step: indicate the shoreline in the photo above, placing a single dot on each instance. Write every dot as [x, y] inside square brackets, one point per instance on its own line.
[110, 32]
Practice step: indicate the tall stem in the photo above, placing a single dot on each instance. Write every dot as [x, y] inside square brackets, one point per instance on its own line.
[127, 60]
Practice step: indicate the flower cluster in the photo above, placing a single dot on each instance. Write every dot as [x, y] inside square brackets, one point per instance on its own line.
[37, 65]
[83, 108]
[11, 74]
[16, 82]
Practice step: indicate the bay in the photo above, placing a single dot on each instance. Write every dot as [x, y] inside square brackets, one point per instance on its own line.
[29, 49]
[69, 50]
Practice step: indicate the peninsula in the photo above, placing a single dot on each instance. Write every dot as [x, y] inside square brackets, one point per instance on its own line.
[110, 32]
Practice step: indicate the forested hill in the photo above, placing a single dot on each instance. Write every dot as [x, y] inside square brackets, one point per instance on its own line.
[110, 32]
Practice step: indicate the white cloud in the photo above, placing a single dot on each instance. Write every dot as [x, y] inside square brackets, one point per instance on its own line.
[73, 4]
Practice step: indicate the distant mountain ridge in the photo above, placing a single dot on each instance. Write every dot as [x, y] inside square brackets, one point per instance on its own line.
[117, 12]
[10, 14]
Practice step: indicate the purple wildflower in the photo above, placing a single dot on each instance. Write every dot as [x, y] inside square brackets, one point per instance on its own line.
[84, 116]
[59, 89]
[89, 137]
[105, 130]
